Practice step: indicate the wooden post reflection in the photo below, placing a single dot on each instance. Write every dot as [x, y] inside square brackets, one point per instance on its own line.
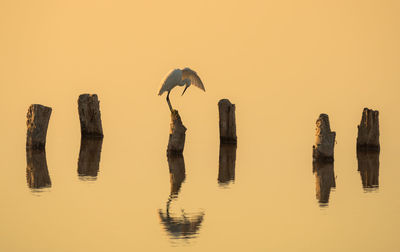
[89, 158]
[368, 166]
[37, 173]
[227, 160]
[176, 164]
[324, 180]
[183, 226]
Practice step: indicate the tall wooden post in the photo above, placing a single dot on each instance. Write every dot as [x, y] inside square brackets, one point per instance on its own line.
[368, 131]
[37, 122]
[323, 149]
[89, 116]
[227, 121]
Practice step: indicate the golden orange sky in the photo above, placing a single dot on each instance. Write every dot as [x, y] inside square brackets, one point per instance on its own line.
[281, 62]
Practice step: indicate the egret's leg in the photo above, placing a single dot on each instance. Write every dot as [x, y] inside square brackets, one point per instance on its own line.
[169, 103]
[168, 204]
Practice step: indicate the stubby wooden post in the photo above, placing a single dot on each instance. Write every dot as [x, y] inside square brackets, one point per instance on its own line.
[323, 149]
[37, 122]
[227, 121]
[177, 134]
[89, 116]
[368, 131]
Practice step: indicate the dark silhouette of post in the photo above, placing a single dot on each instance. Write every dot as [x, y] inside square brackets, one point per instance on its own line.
[323, 150]
[38, 117]
[89, 116]
[227, 122]
[227, 160]
[324, 180]
[368, 131]
[89, 158]
[37, 173]
[368, 166]
[177, 134]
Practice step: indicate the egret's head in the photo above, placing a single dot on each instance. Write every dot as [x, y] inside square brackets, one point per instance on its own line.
[187, 83]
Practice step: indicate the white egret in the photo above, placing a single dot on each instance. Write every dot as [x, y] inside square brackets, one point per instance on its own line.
[178, 77]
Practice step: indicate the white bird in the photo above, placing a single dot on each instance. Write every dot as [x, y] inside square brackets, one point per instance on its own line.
[178, 77]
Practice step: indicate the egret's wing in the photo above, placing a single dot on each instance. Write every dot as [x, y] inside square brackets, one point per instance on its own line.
[162, 89]
[168, 82]
[194, 78]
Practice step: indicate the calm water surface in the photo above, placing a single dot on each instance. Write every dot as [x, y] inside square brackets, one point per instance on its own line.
[282, 64]
[125, 192]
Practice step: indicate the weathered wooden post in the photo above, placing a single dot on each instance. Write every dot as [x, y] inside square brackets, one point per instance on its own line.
[368, 131]
[227, 160]
[177, 134]
[325, 180]
[323, 149]
[89, 158]
[89, 116]
[38, 117]
[37, 173]
[227, 122]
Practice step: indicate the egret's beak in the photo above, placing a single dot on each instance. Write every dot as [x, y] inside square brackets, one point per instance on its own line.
[185, 89]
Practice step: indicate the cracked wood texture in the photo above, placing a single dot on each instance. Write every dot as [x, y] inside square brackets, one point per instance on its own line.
[227, 121]
[323, 149]
[177, 134]
[368, 131]
[89, 115]
[38, 117]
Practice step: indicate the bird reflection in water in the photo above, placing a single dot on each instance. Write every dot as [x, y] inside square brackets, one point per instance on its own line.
[37, 173]
[325, 180]
[227, 159]
[368, 166]
[179, 226]
[89, 158]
